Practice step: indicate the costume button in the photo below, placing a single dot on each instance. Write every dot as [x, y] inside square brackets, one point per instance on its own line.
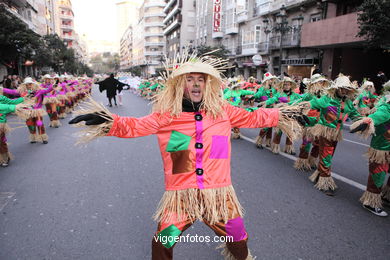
[199, 171]
[198, 145]
[198, 117]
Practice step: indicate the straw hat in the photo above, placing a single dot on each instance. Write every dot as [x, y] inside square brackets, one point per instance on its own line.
[268, 76]
[317, 78]
[191, 63]
[236, 85]
[306, 81]
[47, 76]
[29, 80]
[288, 79]
[366, 84]
[342, 81]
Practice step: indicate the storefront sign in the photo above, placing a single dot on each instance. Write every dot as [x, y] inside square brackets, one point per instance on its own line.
[217, 8]
[300, 62]
[257, 59]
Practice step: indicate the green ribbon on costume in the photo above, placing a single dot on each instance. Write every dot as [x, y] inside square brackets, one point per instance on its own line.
[379, 178]
[168, 236]
[327, 161]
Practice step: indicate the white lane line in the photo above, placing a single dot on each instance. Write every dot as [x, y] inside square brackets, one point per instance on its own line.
[366, 145]
[335, 175]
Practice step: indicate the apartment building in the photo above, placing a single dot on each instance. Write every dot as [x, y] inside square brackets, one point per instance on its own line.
[126, 47]
[340, 50]
[179, 25]
[148, 38]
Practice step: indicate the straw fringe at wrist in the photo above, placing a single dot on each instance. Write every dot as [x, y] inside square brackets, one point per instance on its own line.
[92, 132]
[368, 131]
[287, 122]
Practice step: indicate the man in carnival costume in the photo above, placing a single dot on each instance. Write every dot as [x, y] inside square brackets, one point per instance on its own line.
[309, 150]
[285, 94]
[366, 100]
[377, 125]
[265, 92]
[193, 125]
[334, 108]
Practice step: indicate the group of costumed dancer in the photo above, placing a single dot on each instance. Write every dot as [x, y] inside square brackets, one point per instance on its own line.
[194, 118]
[193, 125]
[58, 94]
[331, 104]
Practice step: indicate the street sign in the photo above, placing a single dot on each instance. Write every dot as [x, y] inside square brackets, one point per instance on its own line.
[257, 60]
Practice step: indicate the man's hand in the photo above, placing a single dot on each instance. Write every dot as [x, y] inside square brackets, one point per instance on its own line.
[90, 119]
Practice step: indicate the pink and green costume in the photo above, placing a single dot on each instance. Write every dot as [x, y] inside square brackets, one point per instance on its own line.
[196, 152]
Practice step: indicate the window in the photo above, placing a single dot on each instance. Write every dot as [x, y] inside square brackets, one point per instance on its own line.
[315, 17]
[257, 33]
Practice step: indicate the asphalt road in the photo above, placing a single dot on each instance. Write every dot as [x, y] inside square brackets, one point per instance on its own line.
[96, 201]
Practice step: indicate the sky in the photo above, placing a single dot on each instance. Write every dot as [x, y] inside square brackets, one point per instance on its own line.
[96, 19]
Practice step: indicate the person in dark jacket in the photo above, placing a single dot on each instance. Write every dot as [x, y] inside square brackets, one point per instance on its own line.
[110, 85]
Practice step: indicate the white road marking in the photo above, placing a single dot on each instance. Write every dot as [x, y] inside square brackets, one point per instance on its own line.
[366, 145]
[335, 175]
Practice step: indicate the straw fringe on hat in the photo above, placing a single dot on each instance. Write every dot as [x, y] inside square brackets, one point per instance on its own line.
[175, 70]
[343, 81]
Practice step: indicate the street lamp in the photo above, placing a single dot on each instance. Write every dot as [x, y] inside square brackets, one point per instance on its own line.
[280, 27]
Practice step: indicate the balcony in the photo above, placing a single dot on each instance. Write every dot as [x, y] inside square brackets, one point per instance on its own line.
[171, 27]
[67, 27]
[153, 53]
[171, 14]
[217, 35]
[290, 40]
[336, 31]
[19, 3]
[154, 24]
[249, 49]
[169, 4]
[67, 37]
[263, 47]
[231, 30]
[154, 34]
[153, 62]
[242, 17]
[263, 7]
[152, 44]
[154, 15]
[66, 16]
[155, 4]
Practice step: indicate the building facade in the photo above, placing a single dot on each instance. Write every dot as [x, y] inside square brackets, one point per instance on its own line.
[127, 12]
[125, 51]
[179, 25]
[340, 50]
[148, 38]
